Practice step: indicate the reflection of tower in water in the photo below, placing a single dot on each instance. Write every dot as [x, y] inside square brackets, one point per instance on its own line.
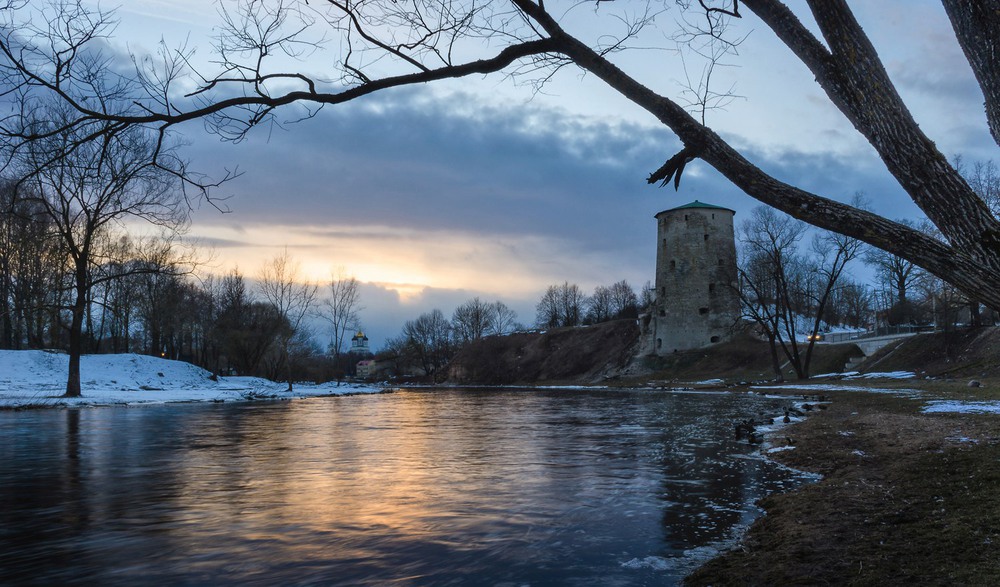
[697, 303]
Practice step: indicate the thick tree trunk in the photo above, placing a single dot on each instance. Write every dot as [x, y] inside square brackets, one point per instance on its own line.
[977, 26]
[971, 259]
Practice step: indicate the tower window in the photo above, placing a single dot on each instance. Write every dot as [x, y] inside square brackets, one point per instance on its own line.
[659, 343]
[715, 339]
[685, 218]
[703, 311]
[713, 216]
[721, 263]
[706, 237]
[663, 313]
[711, 288]
[663, 290]
[673, 264]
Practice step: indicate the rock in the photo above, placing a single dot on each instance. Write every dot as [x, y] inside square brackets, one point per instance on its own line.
[975, 383]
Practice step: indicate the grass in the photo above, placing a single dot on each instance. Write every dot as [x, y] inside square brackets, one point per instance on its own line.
[741, 360]
[906, 498]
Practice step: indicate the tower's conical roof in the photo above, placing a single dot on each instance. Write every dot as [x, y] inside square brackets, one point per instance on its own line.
[697, 204]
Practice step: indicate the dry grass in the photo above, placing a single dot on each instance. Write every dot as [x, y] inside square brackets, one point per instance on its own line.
[907, 498]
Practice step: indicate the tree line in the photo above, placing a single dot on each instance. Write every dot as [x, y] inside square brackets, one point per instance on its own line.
[788, 289]
[51, 55]
[145, 295]
[427, 343]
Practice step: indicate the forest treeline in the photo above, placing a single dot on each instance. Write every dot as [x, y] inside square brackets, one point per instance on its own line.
[151, 295]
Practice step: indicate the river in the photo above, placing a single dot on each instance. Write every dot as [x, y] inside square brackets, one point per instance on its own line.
[416, 487]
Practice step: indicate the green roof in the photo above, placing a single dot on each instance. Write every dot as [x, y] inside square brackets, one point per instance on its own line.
[697, 204]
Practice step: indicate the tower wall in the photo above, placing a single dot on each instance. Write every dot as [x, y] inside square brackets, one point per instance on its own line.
[697, 302]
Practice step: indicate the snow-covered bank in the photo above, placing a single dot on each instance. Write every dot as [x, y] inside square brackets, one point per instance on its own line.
[38, 378]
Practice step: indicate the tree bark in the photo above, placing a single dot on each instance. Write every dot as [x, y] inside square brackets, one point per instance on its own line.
[76, 328]
[972, 259]
[977, 26]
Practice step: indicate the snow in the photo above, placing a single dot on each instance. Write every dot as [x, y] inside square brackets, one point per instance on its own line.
[813, 387]
[779, 449]
[710, 382]
[885, 375]
[856, 375]
[38, 378]
[961, 407]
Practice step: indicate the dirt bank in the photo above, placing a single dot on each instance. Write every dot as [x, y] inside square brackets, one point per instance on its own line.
[584, 355]
[907, 498]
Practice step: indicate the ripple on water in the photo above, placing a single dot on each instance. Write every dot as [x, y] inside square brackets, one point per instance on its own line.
[417, 487]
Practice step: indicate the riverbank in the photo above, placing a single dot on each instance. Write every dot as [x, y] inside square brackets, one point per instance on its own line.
[36, 379]
[908, 496]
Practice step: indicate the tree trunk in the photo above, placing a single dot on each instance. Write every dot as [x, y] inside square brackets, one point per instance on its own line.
[76, 330]
[977, 26]
[779, 377]
[288, 365]
[970, 259]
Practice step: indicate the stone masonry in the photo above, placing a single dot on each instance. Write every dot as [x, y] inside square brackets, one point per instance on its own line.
[697, 303]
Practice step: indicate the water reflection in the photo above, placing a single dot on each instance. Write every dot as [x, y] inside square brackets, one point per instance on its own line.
[417, 487]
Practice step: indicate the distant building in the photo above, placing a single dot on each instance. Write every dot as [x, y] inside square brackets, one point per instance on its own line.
[697, 302]
[359, 344]
[366, 369]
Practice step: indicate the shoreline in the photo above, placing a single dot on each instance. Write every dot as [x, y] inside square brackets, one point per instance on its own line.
[907, 490]
[906, 495]
[44, 402]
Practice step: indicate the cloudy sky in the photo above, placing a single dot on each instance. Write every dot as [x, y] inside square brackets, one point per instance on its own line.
[431, 195]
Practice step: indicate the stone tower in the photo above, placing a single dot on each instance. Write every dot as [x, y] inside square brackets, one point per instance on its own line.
[696, 300]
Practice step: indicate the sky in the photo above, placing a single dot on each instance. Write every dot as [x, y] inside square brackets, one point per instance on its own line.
[434, 194]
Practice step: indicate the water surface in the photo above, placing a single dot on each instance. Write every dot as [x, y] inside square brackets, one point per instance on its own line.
[418, 487]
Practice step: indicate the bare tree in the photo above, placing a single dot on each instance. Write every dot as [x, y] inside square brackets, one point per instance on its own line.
[30, 263]
[599, 305]
[87, 187]
[853, 304]
[281, 287]
[895, 273]
[984, 179]
[831, 252]
[547, 309]
[783, 291]
[561, 305]
[624, 302]
[647, 297]
[472, 320]
[613, 302]
[504, 319]
[341, 310]
[245, 329]
[770, 272]
[53, 51]
[429, 339]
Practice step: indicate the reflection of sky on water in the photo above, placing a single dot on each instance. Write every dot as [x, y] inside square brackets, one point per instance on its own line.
[425, 487]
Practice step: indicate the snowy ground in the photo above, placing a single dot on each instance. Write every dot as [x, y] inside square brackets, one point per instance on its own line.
[38, 378]
[932, 406]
